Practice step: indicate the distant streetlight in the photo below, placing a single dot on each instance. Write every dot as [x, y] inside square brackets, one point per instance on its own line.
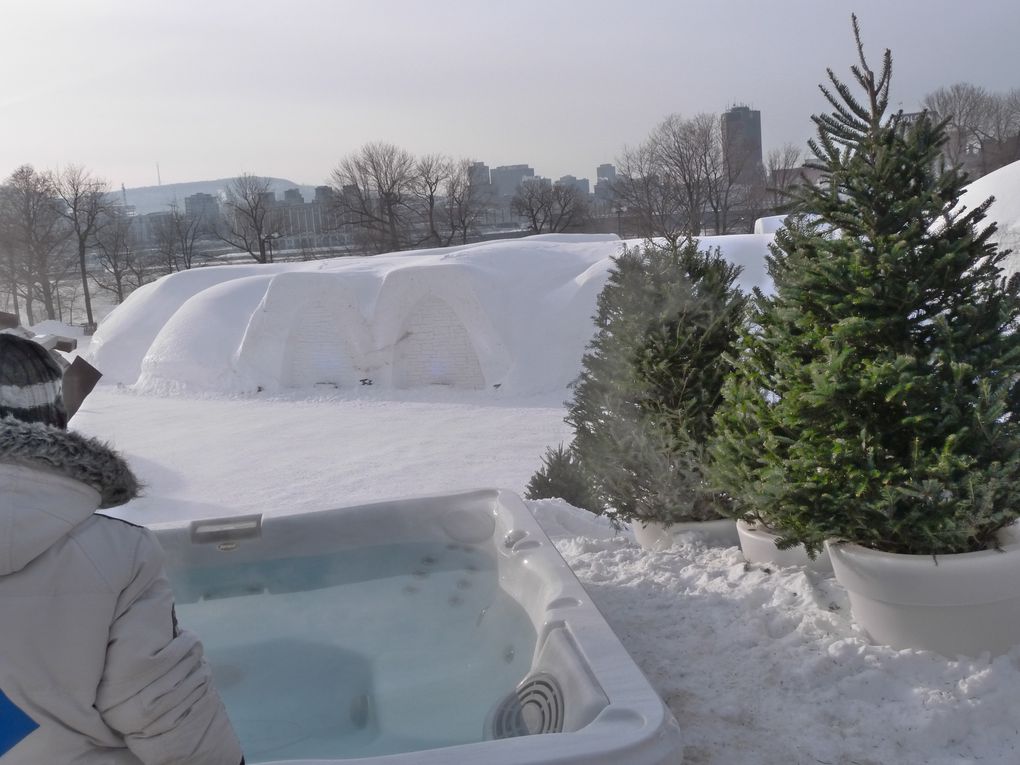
[267, 242]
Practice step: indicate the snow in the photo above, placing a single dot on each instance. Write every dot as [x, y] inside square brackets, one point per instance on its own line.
[770, 224]
[760, 666]
[1004, 185]
[526, 305]
[54, 327]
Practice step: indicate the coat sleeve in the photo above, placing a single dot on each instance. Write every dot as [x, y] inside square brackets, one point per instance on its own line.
[157, 689]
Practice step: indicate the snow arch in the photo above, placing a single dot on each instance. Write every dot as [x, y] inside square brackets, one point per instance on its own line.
[435, 349]
[308, 329]
[431, 324]
[317, 351]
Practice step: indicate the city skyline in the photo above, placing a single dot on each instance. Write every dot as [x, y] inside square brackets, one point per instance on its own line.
[210, 90]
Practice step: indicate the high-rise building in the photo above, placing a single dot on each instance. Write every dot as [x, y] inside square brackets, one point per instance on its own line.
[478, 174]
[293, 197]
[605, 177]
[582, 185]
[741, 139]
[605, 172]
[202, 207]
[481, 183]
[507, 178]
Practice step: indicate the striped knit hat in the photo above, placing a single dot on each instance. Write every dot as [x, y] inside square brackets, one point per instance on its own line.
[30, 382]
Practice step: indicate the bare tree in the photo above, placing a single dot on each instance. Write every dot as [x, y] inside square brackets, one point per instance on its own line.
[465, 202]
[570, 208]
[984, 127]
[13, 258]
[37, 233]
[66, 297]
[668, 182]
[683, 147]
[549, 207]
[531, 202]
[85, 204]
[650, 189]
[165, 239]
[646, 195]
[177, 235]
[964, 106]
[373, 191]
[783, 172]
[1000, 137]
[250, 221]
[120, 269]
[430, 179]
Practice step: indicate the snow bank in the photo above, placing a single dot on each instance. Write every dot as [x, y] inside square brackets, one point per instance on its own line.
[512, 315]
[764, 666]
[54, 327]
[125, 335]
[1004, 185]
[770, 224]
[194, 347]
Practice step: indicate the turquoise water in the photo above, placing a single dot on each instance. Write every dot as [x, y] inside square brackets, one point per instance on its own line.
[370, 651]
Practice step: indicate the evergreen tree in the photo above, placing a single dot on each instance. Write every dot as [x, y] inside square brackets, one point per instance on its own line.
[562, 476]
[872, 396]
[651, 380]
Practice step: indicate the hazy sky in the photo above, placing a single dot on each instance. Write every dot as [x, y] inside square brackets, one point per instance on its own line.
[211, 88]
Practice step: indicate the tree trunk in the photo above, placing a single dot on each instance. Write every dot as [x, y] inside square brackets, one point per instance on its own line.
[85, 282]
[14, 292]
[48, 302]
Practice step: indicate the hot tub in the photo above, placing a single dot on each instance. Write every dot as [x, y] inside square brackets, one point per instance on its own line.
[432, 630]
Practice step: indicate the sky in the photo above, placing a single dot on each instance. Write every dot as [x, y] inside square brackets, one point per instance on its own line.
[208, 89]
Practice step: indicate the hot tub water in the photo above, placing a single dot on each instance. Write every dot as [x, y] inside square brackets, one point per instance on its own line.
[368, 651]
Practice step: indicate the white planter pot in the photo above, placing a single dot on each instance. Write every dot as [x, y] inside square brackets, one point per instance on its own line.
[759, 546]
[955, 604]
[652, 535]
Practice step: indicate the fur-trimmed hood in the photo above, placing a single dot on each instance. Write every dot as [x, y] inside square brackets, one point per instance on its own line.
[51, 482]
[78, 457]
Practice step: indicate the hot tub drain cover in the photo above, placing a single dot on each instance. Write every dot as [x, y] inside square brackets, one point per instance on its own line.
[536, 706]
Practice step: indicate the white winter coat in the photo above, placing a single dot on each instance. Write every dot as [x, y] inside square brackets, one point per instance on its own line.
[89, 645]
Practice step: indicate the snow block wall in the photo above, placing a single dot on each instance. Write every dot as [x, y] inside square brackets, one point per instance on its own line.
[435, 349]
[317, 352]
[434, 325]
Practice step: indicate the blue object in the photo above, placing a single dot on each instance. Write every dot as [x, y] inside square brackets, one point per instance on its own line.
[14, 725]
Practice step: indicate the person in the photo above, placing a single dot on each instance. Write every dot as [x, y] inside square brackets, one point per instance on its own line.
[94, 667]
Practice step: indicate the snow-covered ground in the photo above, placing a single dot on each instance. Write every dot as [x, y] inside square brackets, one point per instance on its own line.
[759, 666]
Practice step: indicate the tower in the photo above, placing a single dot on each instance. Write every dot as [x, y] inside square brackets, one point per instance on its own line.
[741, 139]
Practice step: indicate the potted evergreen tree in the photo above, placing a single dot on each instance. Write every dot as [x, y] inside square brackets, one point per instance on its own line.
[874, 399]
[651, 379]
